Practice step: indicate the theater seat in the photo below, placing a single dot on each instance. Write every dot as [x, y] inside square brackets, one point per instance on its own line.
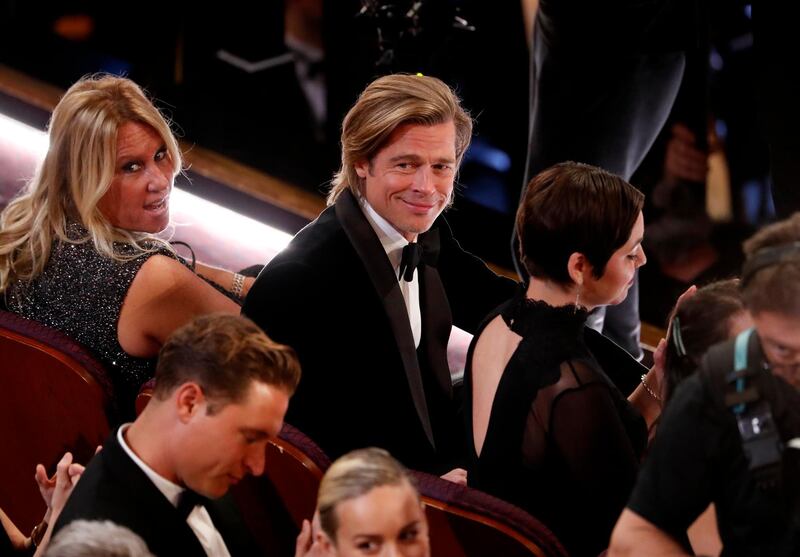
[145, 394]
[53, 398]
[465, 522]
[274, 505]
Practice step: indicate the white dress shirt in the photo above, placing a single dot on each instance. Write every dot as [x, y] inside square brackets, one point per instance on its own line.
[199, 520]
[393, 243]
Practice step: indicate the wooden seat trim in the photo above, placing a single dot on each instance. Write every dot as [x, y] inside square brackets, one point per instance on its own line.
[203, 161]
[284, 447]
[532, 546]
[59, 355]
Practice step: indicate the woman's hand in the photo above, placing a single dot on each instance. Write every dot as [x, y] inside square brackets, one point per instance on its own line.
[655, 376]
[56, 489]
[688, 293]
[307, 543]
[457, 476]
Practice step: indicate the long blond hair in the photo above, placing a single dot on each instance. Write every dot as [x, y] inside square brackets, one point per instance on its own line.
[387, 103]
[75, 174]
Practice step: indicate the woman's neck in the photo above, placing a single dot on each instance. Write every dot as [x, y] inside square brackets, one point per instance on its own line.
[552, 293]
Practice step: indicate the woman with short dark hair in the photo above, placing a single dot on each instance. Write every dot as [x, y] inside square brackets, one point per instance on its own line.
[549, 430]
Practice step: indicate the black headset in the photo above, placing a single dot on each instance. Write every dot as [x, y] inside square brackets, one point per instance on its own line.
[767, 257]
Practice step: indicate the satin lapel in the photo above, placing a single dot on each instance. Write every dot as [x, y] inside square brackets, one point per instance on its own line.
[437, 322]
[380, 272]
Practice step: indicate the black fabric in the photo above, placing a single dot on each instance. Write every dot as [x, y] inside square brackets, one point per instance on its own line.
[604, 77]
[260, 118]
[114, 488]
[416, 253]
[333, 295]
[697, 459]
[562, 441]
[59, 298]
[616, 362]
[410, 260]
[620, 27]
[6, 548]
[188, 501]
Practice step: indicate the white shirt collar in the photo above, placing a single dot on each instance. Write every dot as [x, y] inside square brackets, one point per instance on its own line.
[392, 241]
[170, 490]
[198, 520]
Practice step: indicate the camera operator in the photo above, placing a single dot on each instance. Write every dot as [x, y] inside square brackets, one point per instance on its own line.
[731, 432]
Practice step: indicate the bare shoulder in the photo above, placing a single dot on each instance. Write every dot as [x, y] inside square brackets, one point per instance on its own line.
[164, 271]
[163, 296]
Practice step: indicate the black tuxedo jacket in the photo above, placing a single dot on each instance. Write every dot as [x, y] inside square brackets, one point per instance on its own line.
[114, 488]
[333, 295]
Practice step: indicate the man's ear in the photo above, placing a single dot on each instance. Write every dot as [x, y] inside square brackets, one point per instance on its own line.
[578, 268]
[362, 168]
[189, 400]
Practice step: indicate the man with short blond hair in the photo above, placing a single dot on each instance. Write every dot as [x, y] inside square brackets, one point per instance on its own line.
[222, 389]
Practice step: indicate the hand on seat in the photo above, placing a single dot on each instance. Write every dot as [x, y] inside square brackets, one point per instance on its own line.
[457, 476]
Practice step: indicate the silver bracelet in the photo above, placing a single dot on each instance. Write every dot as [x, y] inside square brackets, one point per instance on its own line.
[648, 389]
[238, 285]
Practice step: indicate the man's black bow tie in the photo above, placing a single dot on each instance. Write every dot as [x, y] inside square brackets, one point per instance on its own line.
[416, 253]
[412, 257]
[188, 501]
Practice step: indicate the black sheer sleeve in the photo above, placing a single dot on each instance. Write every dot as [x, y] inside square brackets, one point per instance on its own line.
[595, 448]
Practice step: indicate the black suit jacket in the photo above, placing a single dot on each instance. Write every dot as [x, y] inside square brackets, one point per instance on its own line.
[332, 294]
[114, 488]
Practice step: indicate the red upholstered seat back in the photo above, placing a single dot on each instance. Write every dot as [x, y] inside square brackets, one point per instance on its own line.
[274, 505]
[465, 522]
[53, 398]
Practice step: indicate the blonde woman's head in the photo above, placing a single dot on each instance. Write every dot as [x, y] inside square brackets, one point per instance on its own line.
[367, 504]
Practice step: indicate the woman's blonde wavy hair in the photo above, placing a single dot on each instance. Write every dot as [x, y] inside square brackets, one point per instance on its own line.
[75, 174]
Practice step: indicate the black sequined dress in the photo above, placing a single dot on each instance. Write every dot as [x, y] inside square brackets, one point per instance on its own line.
[80, 293]
[562, 441]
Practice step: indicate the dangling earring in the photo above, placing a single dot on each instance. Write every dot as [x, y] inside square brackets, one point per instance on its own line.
[577, 301]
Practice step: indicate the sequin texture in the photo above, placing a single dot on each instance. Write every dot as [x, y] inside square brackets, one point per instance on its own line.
[80, 293]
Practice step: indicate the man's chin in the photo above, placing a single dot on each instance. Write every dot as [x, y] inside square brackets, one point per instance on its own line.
[216, 489]
[217, 492]
[418, 227]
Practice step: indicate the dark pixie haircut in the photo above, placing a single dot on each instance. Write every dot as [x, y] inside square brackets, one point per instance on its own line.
[697, 324]
[224, 354]
[774, 288]
[574, 207]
